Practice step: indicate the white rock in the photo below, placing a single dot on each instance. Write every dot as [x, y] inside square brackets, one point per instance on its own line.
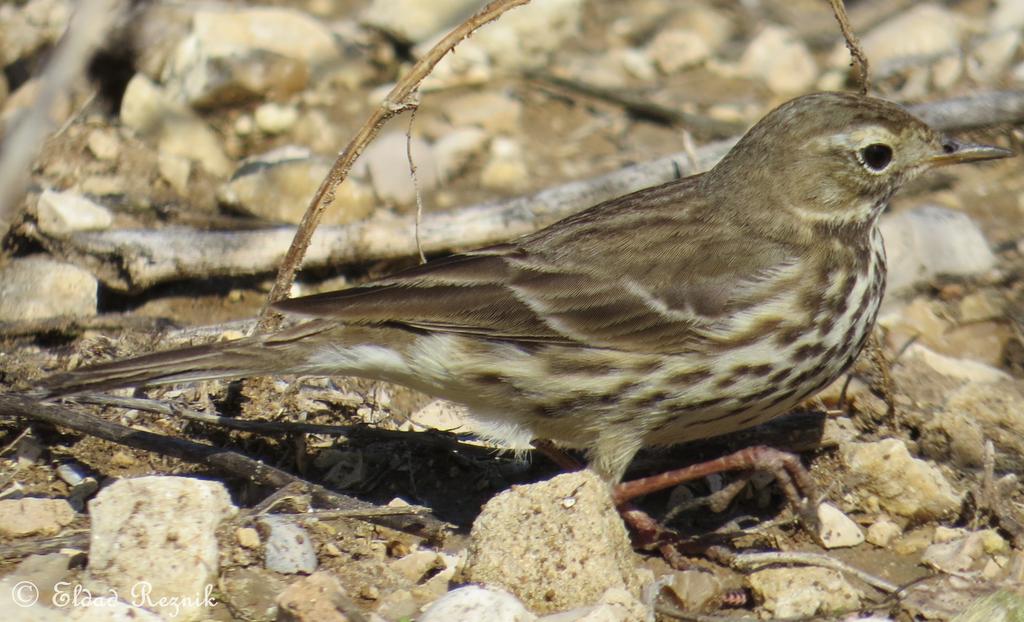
[416, 20]
[961, 369]
[175, 170]
[946, 71]
[695, 588]
[61, 213]
[523, 38]
[31, 516]
[148, 110]
[636, 62]
[159, 532]
[924, 30]
[454, 150]
[781, 60]
[288, 549]
[477, 604]
[506, 169]
[882, 532]
[677, 48]
[617, 605]
[387, 163]
[38, 287]
[1008, 15]
[439, 415]
[884, 474]
[570, 533]
[278, 185]
[493, 111]
[108, 611]
[928, 241]
[316, 598]
[526, 36]
[103, 144]
[798, 592]
[837, 529]
[968, 553]
[991, 56]
[233, 52]
[274, 118]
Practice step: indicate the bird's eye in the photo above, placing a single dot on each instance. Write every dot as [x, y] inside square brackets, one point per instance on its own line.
[876, 156]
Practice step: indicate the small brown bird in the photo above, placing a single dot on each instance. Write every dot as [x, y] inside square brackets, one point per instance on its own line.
[687, 310]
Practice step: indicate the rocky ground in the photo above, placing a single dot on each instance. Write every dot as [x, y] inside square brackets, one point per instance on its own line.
[156, 207]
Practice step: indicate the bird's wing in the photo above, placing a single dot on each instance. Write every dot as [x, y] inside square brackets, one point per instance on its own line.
[639, 273]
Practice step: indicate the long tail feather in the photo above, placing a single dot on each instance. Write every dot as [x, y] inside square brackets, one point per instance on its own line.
[232, 359]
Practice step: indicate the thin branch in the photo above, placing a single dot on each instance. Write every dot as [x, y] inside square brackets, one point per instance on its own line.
[227, 460]
[86, 31]
[853, 44]
[747, 561]
[415, 184]
[434, 438]
[397, 101]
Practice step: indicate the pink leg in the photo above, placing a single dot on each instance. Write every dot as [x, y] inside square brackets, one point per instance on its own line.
[790, 474]
[556, 455]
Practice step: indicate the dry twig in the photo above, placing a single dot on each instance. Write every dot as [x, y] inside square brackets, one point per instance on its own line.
[853, 44]
[227, 460]
[397, 101]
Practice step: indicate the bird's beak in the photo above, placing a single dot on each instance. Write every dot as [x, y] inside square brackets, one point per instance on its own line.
[954, 152]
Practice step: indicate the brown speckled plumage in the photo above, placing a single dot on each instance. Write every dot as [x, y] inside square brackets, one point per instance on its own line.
[681, 311]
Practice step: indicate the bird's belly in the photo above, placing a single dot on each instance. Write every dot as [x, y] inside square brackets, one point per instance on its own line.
[755, 384]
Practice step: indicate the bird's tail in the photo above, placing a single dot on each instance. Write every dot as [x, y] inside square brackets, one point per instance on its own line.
[250, 356]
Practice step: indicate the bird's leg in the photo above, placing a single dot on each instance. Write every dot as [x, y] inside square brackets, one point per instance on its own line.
[790, 474]
[556, 455]
[716, 501]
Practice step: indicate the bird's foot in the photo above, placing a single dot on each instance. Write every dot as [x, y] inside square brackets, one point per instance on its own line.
[794, 480]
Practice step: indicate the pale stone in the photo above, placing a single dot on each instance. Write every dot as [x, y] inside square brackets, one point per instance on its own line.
[506, 168]
[233, 51]
[899, 483]
[570, 532]
[777, 57]
[62, 213]
[798, 592]
[103, 144]
[924, 30]
[273, 118]
[929, 241]
[175, 170]
[248, 537]
[148, 110]
[34, 516]
[882, 532]
[454, 150]
[316, 598]
[159, 531]
[278, 185]
[837, 530]
[288, 549]
[416, 20]
[494, 112]
[37, 287]
[991, 56]
[962, 369]
[677, 48]
[387, 162]
[473, 603]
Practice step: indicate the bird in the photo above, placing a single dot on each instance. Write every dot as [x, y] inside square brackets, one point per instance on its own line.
[691, 309]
